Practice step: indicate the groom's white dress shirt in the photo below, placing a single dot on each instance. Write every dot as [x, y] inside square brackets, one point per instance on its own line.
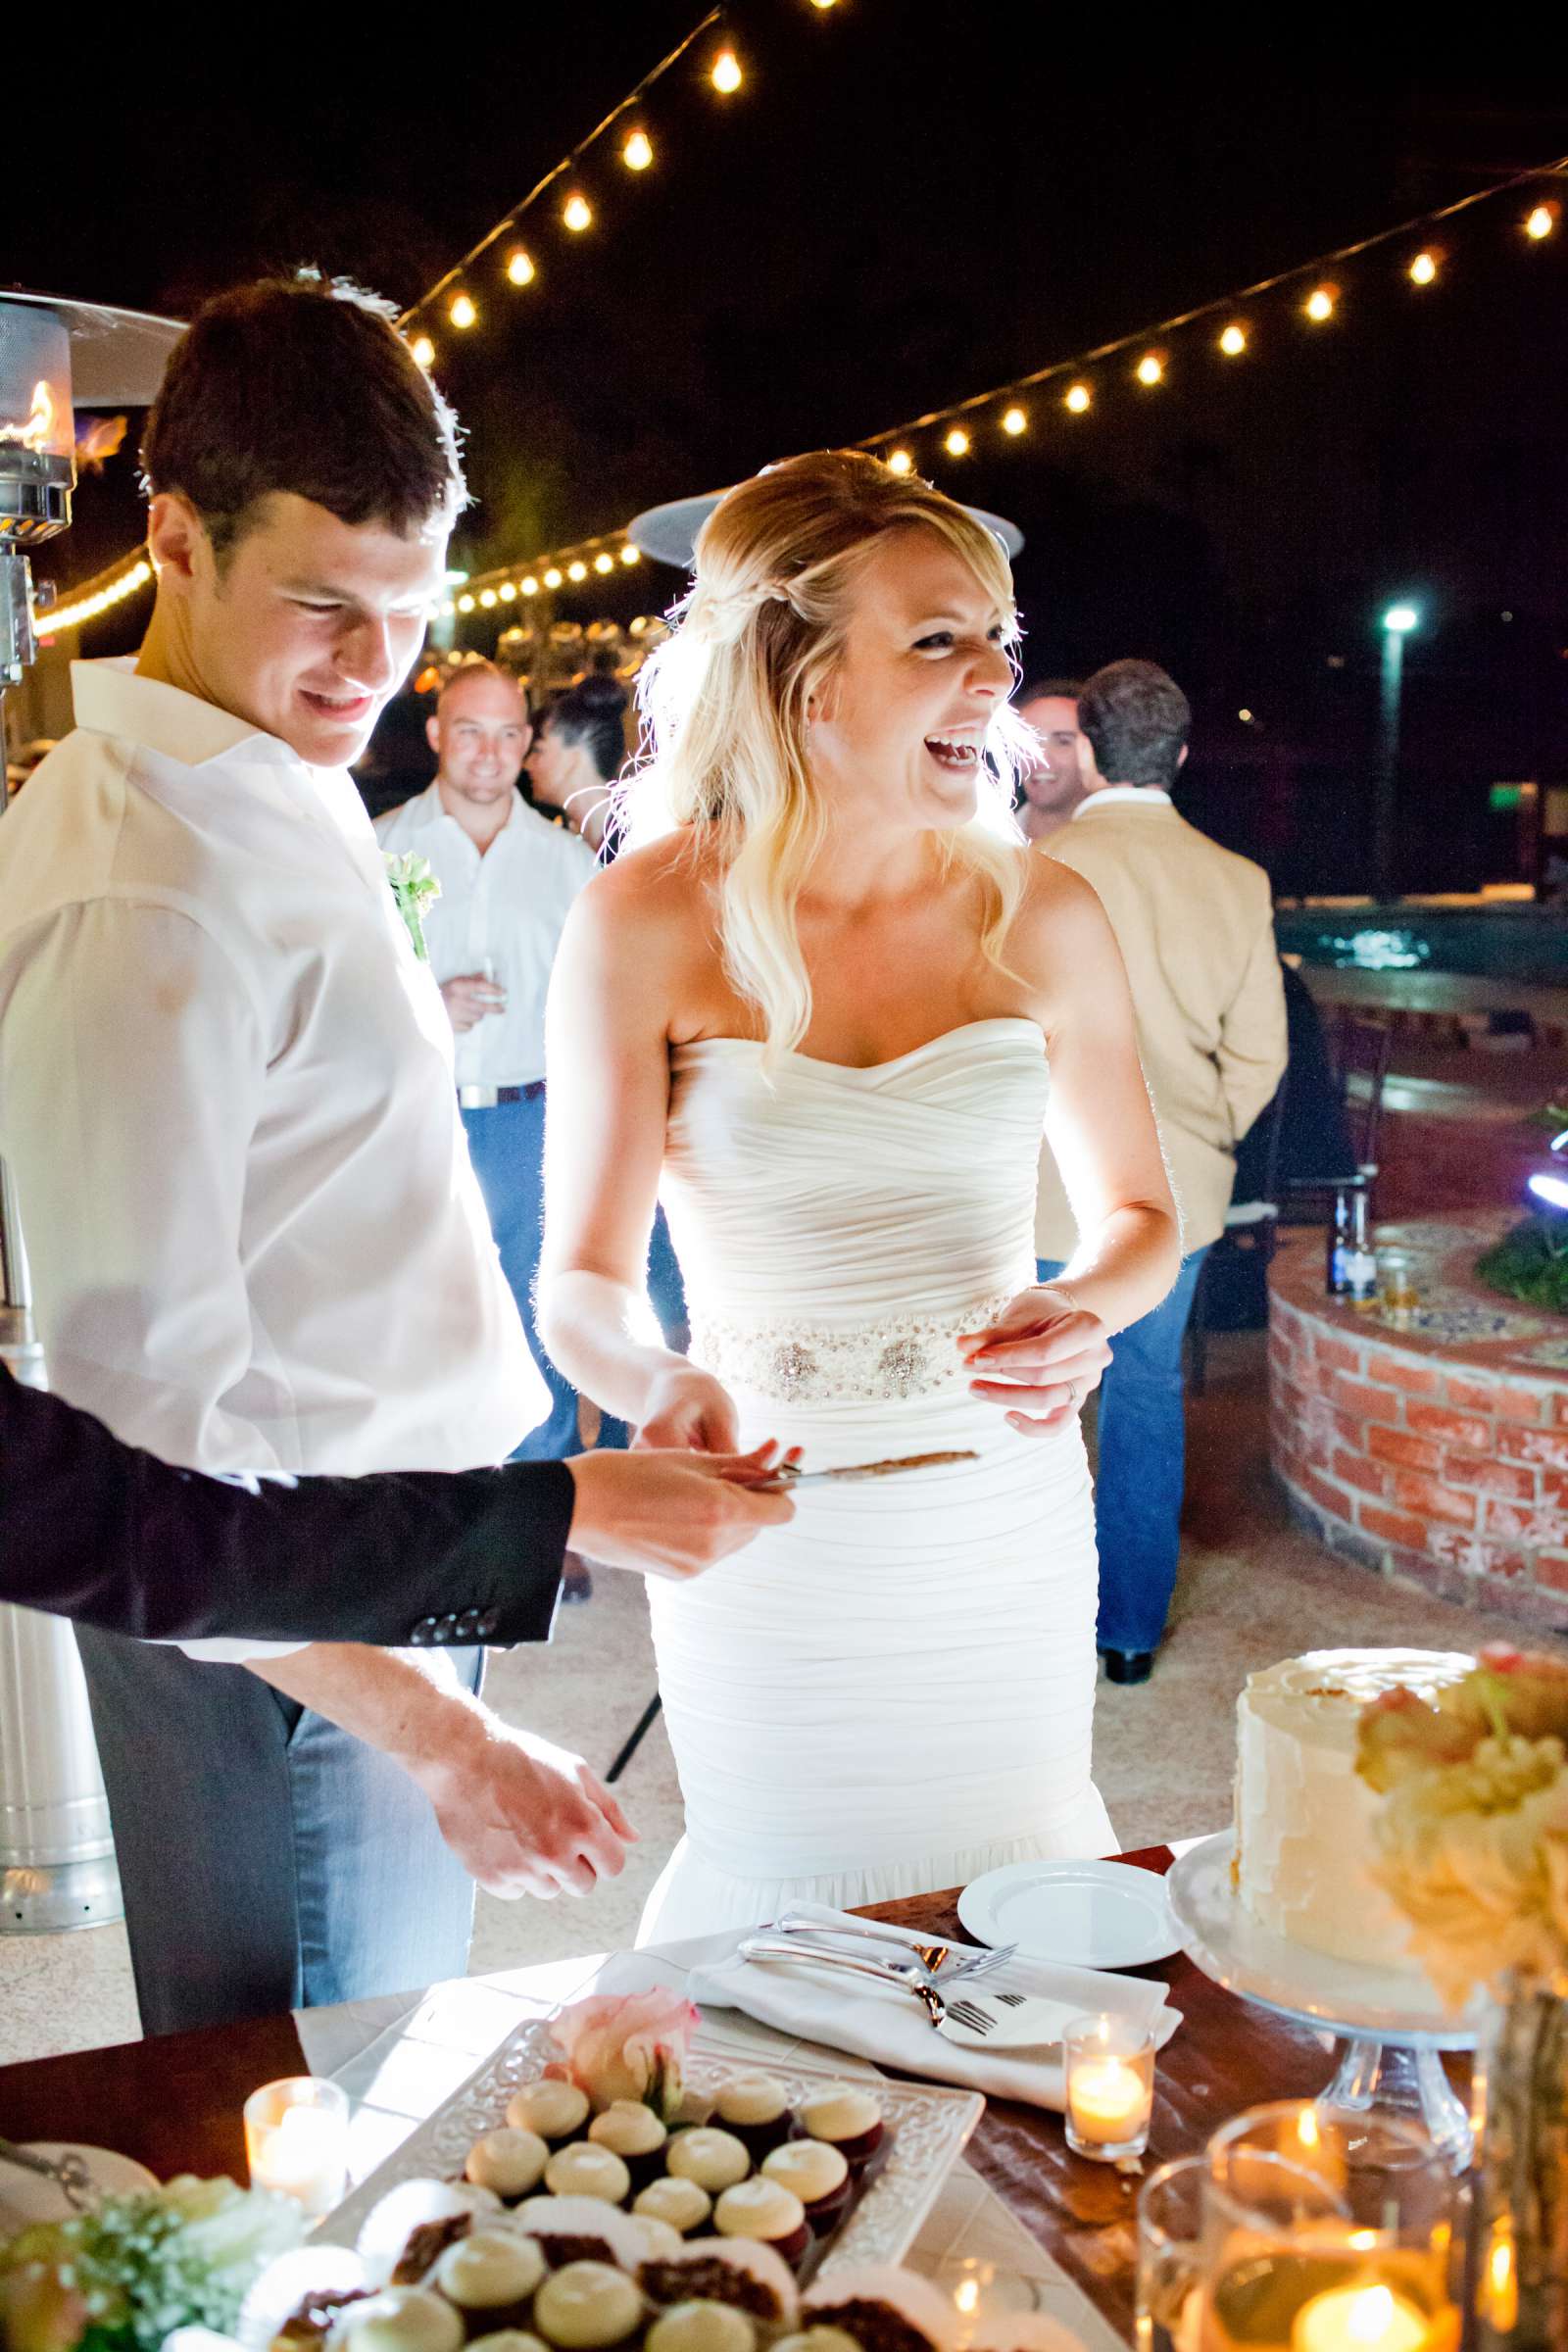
[226, 1099]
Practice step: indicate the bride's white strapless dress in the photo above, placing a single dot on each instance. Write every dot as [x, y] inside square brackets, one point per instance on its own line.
[896, 1691]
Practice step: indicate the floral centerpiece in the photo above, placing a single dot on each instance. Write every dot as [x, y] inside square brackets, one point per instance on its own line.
[119, 2278]
[628, 2046]
[1473, 1841]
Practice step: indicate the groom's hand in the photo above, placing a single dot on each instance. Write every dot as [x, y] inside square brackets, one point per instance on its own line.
[524, 1817]
[673, 1514]
[1038, 1360]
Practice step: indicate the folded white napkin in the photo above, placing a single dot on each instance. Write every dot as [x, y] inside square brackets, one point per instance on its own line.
[881, 2022]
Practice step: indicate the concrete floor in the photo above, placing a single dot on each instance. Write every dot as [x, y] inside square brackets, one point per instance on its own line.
[1253, 1589]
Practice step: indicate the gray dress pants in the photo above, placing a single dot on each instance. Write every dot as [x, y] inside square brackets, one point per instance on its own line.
[269, 1860]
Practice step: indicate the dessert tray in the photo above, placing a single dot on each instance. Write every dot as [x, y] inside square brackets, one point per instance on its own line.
[927, 2129]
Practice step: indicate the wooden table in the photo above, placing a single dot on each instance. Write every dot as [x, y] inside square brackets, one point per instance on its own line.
[174, 2102]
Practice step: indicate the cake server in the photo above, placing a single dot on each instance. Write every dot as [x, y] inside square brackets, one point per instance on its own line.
[794, 1476]
[68, 2173]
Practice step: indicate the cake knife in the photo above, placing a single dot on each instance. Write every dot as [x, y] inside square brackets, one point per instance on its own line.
[793, 1476]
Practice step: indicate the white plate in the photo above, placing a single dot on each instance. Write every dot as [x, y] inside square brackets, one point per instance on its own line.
[1079, 1914]
[28, 2198]
[1231, 1947]
[928, 2125]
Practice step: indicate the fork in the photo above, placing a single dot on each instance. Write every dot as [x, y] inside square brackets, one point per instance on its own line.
[939, 1959]
[965, 2011]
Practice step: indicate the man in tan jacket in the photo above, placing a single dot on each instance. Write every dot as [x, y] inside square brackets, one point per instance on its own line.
[1196, 926]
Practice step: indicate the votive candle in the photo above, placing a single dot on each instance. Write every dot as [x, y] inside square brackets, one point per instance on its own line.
[297, 2141]
[1363, 2318]
[1110, 2086]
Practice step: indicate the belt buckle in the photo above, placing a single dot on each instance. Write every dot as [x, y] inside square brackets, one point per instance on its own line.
[477, 1098]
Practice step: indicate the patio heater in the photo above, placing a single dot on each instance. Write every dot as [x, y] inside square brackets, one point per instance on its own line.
[57, 1857]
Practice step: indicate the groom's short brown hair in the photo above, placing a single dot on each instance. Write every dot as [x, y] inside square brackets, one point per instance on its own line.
[301, 384]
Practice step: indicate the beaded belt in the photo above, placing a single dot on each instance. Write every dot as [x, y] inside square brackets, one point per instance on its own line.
[807, 1363]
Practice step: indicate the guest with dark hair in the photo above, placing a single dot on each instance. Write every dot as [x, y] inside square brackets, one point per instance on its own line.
[580, 751]
[1056, 781]
[1196, 928]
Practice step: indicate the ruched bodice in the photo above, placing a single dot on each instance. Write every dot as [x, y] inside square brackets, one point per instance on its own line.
[896, 1691]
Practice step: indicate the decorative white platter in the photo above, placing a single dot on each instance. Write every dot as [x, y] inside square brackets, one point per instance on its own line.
[28, 2198]
[1077, 1914]
[928, 2126]
[1232, 1947]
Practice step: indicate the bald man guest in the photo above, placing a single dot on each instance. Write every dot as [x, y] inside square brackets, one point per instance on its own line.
[507, 880]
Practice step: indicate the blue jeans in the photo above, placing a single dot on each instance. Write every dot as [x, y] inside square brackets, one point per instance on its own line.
[506, 1145]
[1143, 1447]
[269, 1861]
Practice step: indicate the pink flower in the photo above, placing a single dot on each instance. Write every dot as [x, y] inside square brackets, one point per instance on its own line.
[628, 2046]
[38, 2311]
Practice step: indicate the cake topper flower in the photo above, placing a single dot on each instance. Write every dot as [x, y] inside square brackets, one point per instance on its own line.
[414, 886]
[628, 2046]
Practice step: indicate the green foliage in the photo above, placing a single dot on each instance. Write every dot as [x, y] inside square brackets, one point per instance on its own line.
[1530, 1263]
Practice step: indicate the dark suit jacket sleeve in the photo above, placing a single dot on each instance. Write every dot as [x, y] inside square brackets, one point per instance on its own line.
[96, 1529]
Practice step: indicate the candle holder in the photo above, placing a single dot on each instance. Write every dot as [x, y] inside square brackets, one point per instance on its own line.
[1110, 2066]
[296, 2141]
[1170, 2250]
[1327, 2231]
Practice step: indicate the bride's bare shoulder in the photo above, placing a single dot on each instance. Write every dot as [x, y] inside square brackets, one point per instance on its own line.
[660, 894]
[1060, 924]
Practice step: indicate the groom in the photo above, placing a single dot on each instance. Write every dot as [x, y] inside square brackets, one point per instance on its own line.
[257, 1245]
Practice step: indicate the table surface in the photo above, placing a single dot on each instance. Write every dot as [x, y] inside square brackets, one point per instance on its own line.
[174, 2102]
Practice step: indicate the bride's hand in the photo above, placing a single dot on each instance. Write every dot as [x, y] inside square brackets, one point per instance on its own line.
[1046, 1354]
[692, 1411]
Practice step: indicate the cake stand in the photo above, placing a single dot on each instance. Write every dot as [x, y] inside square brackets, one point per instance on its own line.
[1391, 2026]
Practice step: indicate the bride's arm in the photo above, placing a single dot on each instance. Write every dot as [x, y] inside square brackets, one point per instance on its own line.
[607, 1061]
[1100, 1122]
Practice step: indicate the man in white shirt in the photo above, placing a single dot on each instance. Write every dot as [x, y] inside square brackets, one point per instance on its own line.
[226, 1098]
[1060, 775]
[507, 880]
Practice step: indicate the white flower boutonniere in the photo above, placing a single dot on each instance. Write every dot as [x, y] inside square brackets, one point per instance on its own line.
[412, 886]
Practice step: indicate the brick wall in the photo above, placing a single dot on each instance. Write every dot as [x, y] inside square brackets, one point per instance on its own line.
[1425, 1465]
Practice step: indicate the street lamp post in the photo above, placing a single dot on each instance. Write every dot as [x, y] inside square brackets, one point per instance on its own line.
[1397, 623]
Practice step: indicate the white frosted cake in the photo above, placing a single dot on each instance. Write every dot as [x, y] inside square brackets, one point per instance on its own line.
[1303, 1817]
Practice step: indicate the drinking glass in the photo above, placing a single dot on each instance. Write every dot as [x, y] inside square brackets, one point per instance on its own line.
[1170, 2230]
[1326, 2232]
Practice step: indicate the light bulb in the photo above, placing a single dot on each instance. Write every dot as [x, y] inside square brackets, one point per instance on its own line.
[630, 554]
[1233, 342]
[530, 586]
[487, 597]
[1016, 421]
[956, 443]
[508, 592]
[520, 268]
[552, 577]
[423, 351]
[463, 313]
[464, 604]
[1319, 303]
[1150, 368]
[726, 75]
[1424, 268]
[900, 461]
[577, 570]
[1540, 222]
[638, 152]
[1077, 397]
[577, 213]
[604, 562]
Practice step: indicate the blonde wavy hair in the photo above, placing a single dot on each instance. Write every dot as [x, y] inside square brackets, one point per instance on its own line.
[725, 702]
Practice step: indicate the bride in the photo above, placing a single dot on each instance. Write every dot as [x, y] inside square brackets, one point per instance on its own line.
[823, 1010]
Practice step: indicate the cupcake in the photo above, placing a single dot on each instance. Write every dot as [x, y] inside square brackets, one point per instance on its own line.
[489, 2279]
[847, 2118]
[586, 2170]
[885, 2310]
[715, 2160]
[580, 2230]
[634, 2133]
[756, 2109]
[587, 2306]
[698, 2327]
[509, 2340]
[400, 2319]
[508, 2161]
[658, 2237]
[818, 2175]
[294, 2301]
[818, 2340]
[556, 2110]
[406, 2229]
[766, 2210]
[680, 2203]
[739, 2271]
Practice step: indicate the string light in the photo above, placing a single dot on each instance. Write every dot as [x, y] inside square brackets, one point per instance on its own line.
[487, 597]
[519, 266]
[900, 461]
[1150, 368]
[530, 586]
[463, 312]
[726, 75]
[1016, 421]
[464, 604]
[1077, 398]
[552, 577]
[1542, 221]
[508, 592]
[74, 614]
[1233, 342]
[1319, 303]
[638, 152]
[956, 443]
[630, 554]
[1424, 268]
[604, 562]
[577, 214]
[577, 570]
[422, 351]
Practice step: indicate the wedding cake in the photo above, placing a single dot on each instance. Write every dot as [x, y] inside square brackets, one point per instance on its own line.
[1303, 1817]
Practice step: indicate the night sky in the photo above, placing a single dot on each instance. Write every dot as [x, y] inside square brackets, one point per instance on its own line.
[904, 205]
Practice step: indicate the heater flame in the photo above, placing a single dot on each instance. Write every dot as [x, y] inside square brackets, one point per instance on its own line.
[39, 430]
